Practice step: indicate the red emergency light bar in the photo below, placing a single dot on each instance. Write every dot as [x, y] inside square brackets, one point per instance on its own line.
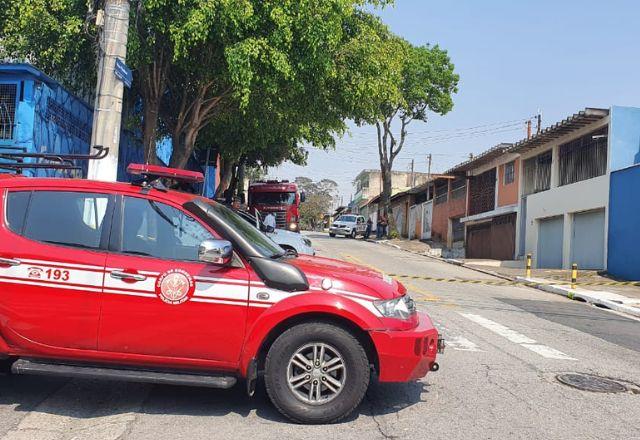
[153, 172]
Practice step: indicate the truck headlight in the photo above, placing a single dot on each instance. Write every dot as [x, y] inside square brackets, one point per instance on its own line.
[400, 308]
[293, 226]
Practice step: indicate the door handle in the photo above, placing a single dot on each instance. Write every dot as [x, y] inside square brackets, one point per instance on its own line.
[120, 275]
[10, 262]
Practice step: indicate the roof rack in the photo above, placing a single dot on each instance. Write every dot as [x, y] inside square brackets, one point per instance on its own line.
[53, 161]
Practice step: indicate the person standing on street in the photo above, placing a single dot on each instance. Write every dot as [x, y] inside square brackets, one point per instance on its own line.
[367, 232]
[270, 222]
[383, 226]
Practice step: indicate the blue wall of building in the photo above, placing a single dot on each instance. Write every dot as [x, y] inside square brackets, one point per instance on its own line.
[624, 224]
[49, 119]
[624, 137]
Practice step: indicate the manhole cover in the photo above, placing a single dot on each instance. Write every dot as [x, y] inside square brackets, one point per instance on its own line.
[587, 382]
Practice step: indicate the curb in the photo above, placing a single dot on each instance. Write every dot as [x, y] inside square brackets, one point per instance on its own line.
[586, 296]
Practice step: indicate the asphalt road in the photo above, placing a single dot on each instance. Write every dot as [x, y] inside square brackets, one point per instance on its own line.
[497, 379]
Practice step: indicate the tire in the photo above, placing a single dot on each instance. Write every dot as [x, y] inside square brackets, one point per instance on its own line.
[353, 234]
[332, 406]
[332, 235]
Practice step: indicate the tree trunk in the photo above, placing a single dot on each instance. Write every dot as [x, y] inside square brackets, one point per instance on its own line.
[150, 131]
[182, 151]
[226, 173]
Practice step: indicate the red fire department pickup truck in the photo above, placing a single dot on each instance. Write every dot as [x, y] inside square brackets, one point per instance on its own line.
[138, 283]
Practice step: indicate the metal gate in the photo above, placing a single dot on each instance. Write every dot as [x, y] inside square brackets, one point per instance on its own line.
[427, 214]
[479, 241]
[587, 241]
[550, 236]
[413, 218]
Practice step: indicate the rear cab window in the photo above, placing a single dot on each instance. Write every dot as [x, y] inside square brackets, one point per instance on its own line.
[65, 218]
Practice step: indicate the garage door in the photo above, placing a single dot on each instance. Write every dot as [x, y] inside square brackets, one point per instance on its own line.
[550, 234]
[479, 241]
[503, 237]
[587, 244]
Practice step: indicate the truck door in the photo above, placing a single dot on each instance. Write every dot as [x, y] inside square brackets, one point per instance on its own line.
[51, 268]
[159, 300]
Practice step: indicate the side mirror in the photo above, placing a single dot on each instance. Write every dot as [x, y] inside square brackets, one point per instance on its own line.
[218, 252]
[303, 196]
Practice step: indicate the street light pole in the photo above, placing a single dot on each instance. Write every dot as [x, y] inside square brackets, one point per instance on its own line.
[107, 112]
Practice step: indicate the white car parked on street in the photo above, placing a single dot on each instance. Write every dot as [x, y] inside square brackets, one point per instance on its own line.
[349, 225]
[287, 240]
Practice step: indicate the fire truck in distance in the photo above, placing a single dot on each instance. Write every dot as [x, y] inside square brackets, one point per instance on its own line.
[278, 197]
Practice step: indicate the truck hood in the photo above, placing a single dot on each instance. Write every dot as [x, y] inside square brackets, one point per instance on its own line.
[348, 277]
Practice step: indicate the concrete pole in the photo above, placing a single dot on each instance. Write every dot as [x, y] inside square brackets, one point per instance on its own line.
[107, 112]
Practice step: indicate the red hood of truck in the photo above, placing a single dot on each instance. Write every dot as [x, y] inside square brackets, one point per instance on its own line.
[348, 277]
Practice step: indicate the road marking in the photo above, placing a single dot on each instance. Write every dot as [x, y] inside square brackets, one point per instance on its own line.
[517, 338]
[461, 343]
[424, 294]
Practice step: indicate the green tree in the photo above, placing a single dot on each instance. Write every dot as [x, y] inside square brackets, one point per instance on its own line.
[421, 80]
[320, 197]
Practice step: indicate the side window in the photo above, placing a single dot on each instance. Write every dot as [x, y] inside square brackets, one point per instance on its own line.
[17, 202]
[66, 218]
[157, 230]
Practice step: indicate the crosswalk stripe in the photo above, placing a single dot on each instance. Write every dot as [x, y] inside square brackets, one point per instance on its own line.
[517, 338]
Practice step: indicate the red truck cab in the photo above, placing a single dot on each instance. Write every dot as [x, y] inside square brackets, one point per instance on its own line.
[280, 198]
[136, 282]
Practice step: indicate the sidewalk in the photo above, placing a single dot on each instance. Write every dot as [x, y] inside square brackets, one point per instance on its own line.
[622, 298]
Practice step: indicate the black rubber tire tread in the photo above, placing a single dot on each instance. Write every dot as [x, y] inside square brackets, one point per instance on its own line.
[356, 361]
[353, 234]
[332, 235]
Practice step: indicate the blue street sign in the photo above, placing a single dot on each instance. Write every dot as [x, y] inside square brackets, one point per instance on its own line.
[123, 73]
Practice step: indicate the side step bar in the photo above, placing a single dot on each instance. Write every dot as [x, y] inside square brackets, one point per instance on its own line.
[41, 368]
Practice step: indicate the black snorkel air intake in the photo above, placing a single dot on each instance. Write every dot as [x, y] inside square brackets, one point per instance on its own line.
[275, 273]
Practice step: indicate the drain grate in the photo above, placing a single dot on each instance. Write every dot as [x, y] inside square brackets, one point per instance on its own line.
[587, 382]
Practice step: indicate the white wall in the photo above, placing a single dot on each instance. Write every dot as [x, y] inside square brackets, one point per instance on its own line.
[565, 200]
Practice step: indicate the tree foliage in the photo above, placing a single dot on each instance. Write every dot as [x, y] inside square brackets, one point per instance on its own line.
[320, 197]
[421, 79]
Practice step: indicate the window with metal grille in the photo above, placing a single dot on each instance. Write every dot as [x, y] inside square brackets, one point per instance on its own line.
[584, 158]
[537, 173]
[509, 172]
[8, 93]
[442, 190]
[482, 192]
[459, 188]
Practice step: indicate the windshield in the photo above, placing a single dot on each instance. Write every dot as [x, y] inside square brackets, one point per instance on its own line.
[273, 198]
[347, 218]
[248, 231]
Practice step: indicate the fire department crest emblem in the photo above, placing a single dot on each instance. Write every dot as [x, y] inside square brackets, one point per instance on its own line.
[175, 286]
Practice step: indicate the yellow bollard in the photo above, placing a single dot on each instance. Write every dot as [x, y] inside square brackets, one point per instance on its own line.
[528, 265]
[574, 275]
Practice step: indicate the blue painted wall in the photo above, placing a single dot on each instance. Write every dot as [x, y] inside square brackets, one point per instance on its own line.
[624, 224]
[624, 137]
[49, 119]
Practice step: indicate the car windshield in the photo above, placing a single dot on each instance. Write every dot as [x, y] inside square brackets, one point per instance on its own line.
[347, 218]
[249, 232]
[273, 198]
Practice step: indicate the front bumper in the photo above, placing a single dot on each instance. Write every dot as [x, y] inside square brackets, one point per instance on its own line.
[406, 355]
[339, 231]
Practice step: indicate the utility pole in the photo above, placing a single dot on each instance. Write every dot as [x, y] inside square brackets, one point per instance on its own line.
[107, 112]
[413, 180]
[429, 158]
[539, 123]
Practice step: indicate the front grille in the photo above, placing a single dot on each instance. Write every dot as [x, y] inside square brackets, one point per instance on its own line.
[281, 220]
